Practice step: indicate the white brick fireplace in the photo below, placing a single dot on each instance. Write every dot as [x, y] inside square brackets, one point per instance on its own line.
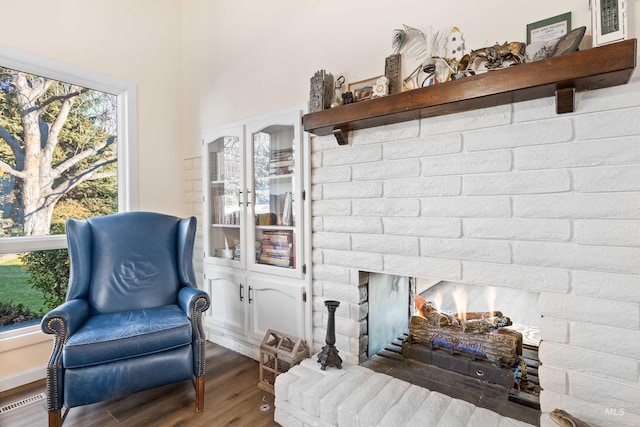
[511, 196]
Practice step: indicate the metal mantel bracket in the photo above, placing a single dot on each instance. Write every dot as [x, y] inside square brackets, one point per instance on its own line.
[342, 136]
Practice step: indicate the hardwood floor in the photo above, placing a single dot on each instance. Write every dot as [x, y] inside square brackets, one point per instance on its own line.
[232, 398]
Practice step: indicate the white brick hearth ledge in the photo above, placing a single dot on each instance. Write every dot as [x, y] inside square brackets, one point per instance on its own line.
[357, 396]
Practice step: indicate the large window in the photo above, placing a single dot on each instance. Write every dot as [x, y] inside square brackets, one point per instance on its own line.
[66, 151]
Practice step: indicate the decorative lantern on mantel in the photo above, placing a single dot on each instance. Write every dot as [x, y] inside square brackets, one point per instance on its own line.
[321, 93]
[278, 353]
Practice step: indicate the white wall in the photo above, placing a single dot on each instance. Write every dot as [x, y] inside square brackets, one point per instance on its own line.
[137, 41]
[246, 57]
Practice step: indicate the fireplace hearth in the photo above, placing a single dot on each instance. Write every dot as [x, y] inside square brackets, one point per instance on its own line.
[457, 375]
[448, 337]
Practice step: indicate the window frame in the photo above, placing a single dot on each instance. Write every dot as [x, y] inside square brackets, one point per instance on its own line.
[127, 102]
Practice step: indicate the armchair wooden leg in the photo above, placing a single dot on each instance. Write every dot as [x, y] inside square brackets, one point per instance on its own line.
[55, 418]
[199, 386]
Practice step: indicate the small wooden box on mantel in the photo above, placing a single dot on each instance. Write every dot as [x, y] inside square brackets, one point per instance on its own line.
[278, 353]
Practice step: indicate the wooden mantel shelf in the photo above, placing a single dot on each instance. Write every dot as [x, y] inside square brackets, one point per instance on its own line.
[560, 76]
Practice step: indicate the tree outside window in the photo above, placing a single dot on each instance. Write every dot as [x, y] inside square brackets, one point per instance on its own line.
[58, 159]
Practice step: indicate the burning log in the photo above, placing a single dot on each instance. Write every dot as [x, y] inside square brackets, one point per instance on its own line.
[437, 318]
[476, 333]
[473, 322]
[499, 347]
[478, 315]
[484, 325]
[475, 326]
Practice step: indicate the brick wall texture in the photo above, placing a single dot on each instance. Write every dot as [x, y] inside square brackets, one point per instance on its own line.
[512, 196]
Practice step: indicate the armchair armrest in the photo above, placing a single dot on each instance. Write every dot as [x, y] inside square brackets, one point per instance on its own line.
[194, 302]
[65, 319]
[62, 322]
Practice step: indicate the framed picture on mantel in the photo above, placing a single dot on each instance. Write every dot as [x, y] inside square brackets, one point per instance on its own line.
[549, 29]
[363, 89]
[608, 21]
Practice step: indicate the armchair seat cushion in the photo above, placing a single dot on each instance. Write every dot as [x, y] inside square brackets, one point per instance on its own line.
[115, 336]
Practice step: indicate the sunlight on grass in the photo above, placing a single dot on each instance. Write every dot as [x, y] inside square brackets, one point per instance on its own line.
[15, 287]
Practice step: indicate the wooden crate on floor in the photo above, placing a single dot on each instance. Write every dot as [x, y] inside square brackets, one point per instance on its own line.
[278, 353]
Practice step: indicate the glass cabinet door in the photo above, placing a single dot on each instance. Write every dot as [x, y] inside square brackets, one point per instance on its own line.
[275, 193]
[224, 170]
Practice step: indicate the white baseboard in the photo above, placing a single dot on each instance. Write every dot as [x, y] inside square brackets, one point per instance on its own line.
[235, 345]
[22, 378]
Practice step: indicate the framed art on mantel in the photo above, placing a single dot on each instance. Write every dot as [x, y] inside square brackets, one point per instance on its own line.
[609, 21]
[549, 29]
[363, 89]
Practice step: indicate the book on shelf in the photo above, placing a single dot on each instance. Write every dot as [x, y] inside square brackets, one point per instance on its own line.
[282, 154]
[280, 170]
[217, 206]
[280, 206]
[281, 162]
[277, 261]
[213, 166]
[216, 166]
[277, 236]
[286, 211]
[276, 248]
[268, 218]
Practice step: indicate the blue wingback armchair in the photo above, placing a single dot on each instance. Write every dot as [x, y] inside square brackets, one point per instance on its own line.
[132, 319]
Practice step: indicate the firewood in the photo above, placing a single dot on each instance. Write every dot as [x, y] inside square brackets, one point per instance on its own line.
[473, 315]
[475, 326]
[499, 347]
[437, 318]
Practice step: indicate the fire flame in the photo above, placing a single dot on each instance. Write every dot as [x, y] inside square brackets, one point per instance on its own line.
[461, 300]
[460, 297]
[491, 300]
[419, 303]
[437, 301]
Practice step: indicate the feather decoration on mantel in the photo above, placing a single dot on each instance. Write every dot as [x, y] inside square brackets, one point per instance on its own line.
[415, 44]
[398, 40]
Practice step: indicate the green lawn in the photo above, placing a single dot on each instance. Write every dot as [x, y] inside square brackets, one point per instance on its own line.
[15, 287]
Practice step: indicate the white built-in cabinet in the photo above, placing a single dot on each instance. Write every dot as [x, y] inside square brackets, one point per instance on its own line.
[257, 230]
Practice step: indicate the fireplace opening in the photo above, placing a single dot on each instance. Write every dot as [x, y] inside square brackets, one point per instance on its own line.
[473, 342]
